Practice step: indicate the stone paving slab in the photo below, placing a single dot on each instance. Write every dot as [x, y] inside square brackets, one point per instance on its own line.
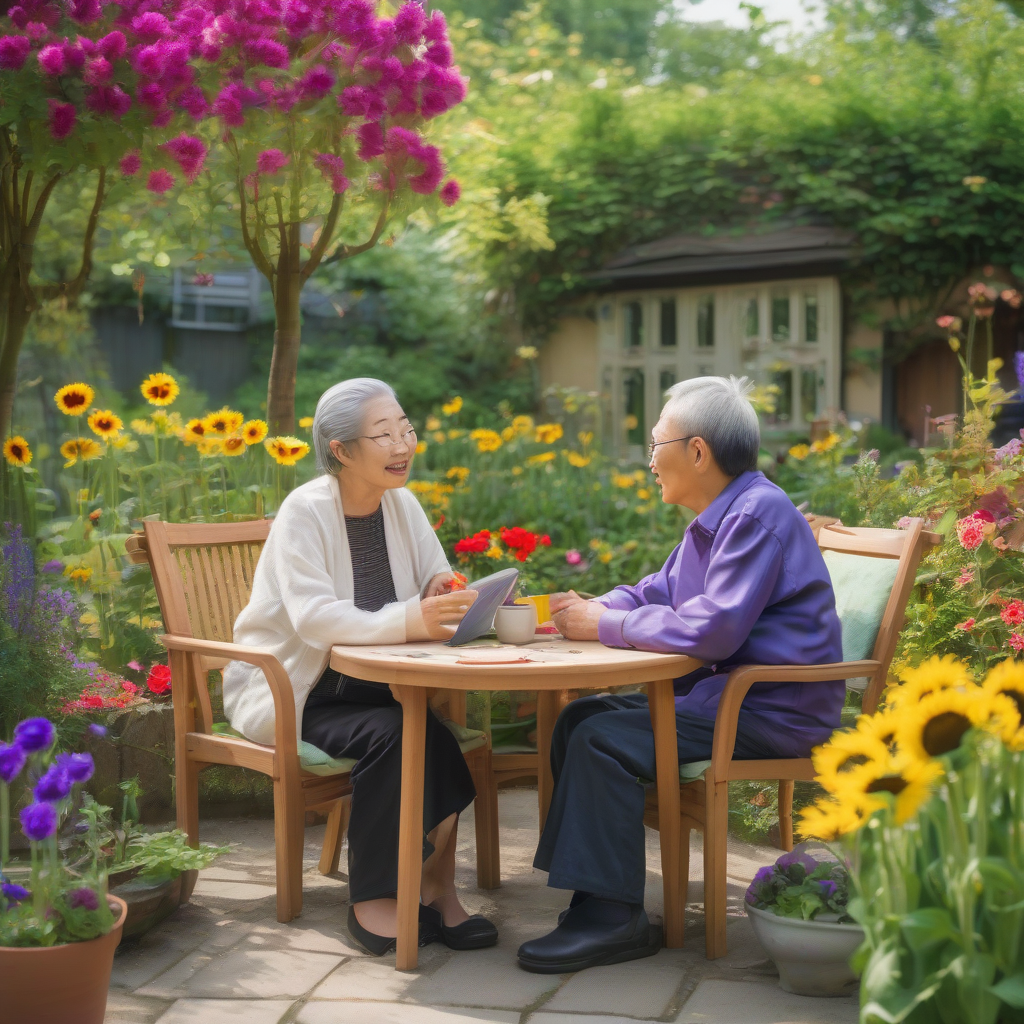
[398, 1013]
[226, 1011]
[740, 1002]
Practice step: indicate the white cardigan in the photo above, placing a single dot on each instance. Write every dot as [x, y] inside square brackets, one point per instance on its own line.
[303, 602]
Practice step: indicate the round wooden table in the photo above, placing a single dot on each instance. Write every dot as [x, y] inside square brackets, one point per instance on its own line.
[549, 666]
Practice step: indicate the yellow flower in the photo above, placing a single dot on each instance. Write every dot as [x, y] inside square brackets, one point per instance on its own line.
[517, 470]
[195, 431]
[929, 677]
[643, 494]
[527, 352]
[508, 434]
[623, 480]
[84, 448]
[909, 782]
[605, 557]
[630, 422]
[286, 451]
[166, 424]
[17, 451]
[577, 460]
[537, 460]
[522, 424]
[74, 399]
[254, 431]
[454, 435]
[639, 475]
[421, 447]
[799, 452]
[585, 436]
[125, 443]
[547, 433]
[880, 726]
[827, 443]
[105, 424]
[306, 422]
[1007, 679]
[143, 427]
[233, 445]
[78, 573]
[160, 389]
[458, 473]
[452, 407]
[486, 440]
[829, 819]
[494, 551]
[209, 446]
[439, 437]
[594, 544]
[224, 421]
[433, 423]
[936, 724]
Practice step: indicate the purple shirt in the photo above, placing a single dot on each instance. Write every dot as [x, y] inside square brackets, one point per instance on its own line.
[747, 586]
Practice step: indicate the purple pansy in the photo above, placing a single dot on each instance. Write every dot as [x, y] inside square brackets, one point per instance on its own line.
[33, 734]
[83, 897]
[53, 786]
[39, 821]
[12, 760]
[14, 892]
[788, 860]
[828, 887]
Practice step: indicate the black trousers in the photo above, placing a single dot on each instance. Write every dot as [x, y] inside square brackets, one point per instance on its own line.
[602, 757]
[372, 734]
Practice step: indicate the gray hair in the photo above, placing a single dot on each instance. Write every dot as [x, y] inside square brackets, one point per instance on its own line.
[718, 409]
[340, 413]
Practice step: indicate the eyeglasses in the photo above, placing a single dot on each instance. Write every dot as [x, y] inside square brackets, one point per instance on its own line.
[654, 444]
[387, 441]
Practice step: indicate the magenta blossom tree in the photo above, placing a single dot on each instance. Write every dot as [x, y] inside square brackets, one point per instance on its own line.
[321, 105]
[88, 88]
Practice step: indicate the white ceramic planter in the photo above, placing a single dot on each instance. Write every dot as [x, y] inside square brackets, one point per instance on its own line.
[813, 957]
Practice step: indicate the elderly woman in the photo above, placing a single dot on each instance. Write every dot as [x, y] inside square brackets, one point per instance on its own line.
[747, 585]
[352, 559]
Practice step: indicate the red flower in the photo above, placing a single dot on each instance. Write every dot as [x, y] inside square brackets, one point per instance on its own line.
[1013, 613]
[458, 582]
[967, 625]
[159, 679]
[1016, 641]
[521, 541]
[475, 545]
[545, 540]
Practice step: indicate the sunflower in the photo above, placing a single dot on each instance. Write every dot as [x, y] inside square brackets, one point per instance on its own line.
[286, 451]
[936, 725]
[195, 431]
[847, 753]
[105, 424]
[224, 421]
[880, 726]
[828, 819]
[254, 431]
[74, 399]
[233, 445]
[1008, 678]
[17, 451]
[84, 448]
[909, 782]
[929, 677]
[160, 389]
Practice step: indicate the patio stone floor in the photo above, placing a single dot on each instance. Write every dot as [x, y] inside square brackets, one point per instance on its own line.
[224, 957]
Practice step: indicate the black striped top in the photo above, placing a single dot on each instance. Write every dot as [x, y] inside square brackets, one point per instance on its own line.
[373, 588]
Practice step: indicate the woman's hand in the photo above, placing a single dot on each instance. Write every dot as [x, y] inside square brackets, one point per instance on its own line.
[440, 584]
[575, 618]
[444, 610]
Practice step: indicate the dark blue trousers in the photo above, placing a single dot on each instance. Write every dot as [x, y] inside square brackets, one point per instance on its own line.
[602, 757]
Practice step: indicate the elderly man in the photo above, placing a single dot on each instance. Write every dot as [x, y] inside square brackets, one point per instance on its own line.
[747, 585]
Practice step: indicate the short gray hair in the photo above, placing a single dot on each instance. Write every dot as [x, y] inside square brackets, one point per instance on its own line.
[340, 413]
[718, 409]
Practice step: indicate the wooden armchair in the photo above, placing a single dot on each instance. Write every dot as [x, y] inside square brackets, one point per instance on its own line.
[704, 801]
[203, 575]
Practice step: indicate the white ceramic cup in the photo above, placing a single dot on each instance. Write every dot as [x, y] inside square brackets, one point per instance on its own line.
[516, 623]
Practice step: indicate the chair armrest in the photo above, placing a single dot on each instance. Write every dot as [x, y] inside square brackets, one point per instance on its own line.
[738, 685]
[137, 549]
[285, 732]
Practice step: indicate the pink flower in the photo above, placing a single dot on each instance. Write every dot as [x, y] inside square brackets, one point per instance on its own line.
[946, 322]
[194, 102]
[409, 23]
[1011, 297]
[332, 168]
[1013, 612]
[14, 52]
[51, 60]
[150, 27]
[361, 101]
[970, 533]
[190, 153]
[573, 557]
[85, 11]
[967, 625]
[266, 51]
[203, 280]
[297, 19]
[109, 100]
[152, 95]
[439, 54]
[62, 119]
[113, 45]
[135, 666]
[1016, 641]
[317, 82]
[371, 140]
[436, 29]
[270, 161]
[151, 60]
[450, 192]
[160, 181]
[98, 71]
[966, 576]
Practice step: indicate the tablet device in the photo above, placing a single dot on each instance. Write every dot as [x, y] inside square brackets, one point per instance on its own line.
[491, 593]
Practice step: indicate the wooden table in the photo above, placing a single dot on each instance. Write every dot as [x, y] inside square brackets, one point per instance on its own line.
[548, 666]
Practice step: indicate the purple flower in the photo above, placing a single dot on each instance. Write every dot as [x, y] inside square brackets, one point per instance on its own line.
[98, 730]
[38, 822]
[53, 565]
[828, 887]
[763, 876]
[1012, 447]
[33, 734]
[14, 892]
[83, 897]
[53, 786]
[79, 767]
[1018, 365]
[12, 760]
[788, 860]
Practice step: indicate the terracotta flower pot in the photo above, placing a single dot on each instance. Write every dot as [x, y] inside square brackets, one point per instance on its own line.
[60, 984]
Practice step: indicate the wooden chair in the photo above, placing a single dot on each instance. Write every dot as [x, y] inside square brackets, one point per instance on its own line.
[704, 801]
[203, 575]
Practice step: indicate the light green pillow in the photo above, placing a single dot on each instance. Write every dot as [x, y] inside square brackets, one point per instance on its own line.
[862, 586]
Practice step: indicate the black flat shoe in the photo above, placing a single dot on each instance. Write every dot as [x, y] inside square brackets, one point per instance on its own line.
[594, 933]
[577, 898]
[380, 945]
[475, 933]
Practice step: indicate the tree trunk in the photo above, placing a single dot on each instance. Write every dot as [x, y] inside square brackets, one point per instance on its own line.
[287, 336]
[16, 316]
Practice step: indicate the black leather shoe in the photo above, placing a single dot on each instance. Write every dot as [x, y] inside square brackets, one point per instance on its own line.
[594, 933]
[379, 945]
[475, 933]
[577, 898]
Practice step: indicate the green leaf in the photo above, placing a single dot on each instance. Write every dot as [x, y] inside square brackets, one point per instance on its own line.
[1010, 990]
[927, 926]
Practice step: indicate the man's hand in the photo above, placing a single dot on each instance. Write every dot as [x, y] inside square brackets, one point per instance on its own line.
[575, 618]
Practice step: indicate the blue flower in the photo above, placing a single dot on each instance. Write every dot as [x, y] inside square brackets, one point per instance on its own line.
[12, 760]
[38, 821]
[79, 767]
[98, 730]
[33, 734]
[14, 892]
[54, 786]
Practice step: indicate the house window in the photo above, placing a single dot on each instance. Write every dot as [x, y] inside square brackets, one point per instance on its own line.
[810, 318]
[780, 317]
[752, 320]
[668, 323]
[706, 321]
[633, 324]
[810, 386]
[633, 394]
[782, 378]
[665, 380]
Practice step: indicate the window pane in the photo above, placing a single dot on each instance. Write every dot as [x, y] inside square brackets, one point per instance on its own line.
[810, 318]
[706, 321]
[783, 380]
[752, 320]
[809, 393]
[780, 318]
[636, 432]
[668, 323]
[665, 380]
[633, 324]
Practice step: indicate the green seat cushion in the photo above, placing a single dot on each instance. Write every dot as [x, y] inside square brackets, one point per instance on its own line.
[862, 586]
[693, 771]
